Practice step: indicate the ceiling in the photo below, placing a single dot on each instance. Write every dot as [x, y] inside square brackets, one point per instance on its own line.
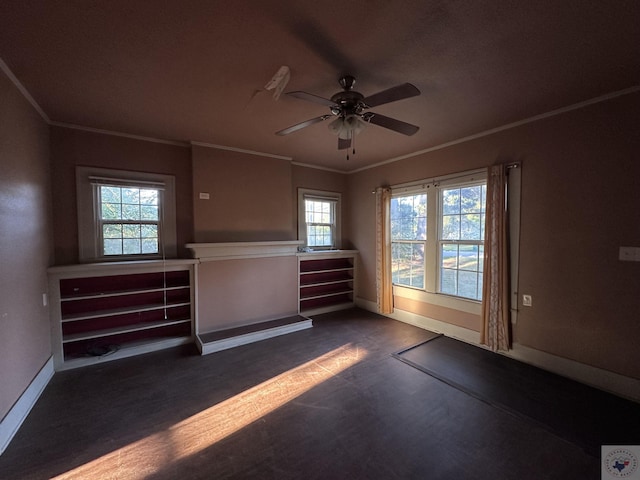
[196, 71]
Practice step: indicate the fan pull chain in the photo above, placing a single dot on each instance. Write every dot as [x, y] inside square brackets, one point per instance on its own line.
[352, 137]
[353, 143]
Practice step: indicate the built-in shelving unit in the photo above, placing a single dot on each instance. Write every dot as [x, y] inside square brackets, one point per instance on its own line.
[326, 281]
[105, 311]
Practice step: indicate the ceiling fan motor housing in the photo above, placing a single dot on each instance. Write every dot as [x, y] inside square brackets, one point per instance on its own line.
[348, 103]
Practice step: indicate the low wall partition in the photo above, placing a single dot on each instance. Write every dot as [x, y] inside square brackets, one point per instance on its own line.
[245, 292]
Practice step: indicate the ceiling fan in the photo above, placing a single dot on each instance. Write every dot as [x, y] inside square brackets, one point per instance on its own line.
[350, 108]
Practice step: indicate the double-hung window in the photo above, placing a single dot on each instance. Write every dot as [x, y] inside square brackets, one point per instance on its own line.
[128, 220]
[125, 215]
[437, 235]
[319, 219]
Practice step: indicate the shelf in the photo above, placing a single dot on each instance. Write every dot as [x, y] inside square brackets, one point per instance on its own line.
[317, 310]
[326, 282]
[122, 293]
[329, 270]
[328, 294]
[120, 330]
[326, 304]
[121, 311]
[129, 350]
[314, 266]
[83, 287]
[331, 282]
[105, 312]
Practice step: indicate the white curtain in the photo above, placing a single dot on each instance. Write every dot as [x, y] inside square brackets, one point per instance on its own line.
[384, 289]
[495, 292]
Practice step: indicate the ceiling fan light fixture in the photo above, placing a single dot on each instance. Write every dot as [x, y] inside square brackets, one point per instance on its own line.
[347, 127]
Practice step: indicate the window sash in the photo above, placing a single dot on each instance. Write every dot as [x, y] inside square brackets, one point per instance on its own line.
[461, 230]
[408, 263]
[128, 244]
[460, 271]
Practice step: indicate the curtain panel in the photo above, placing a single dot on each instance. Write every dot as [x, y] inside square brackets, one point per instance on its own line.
[495, 291]
[384, 288]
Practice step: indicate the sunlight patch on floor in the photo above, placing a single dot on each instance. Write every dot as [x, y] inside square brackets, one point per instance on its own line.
[159, 451]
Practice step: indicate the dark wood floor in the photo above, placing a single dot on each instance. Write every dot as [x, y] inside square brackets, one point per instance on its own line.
[324, 403]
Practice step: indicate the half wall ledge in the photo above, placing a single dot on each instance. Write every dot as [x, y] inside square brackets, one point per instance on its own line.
[207, 252]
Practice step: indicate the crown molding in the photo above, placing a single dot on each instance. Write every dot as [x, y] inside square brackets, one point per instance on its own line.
[535, 118]
[118, 134]
[318, 167]
[25, 93]
[240, 150]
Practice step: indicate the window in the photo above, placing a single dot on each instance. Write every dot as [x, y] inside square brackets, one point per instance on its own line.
[319, 219]
[461, 240]
[437, 236]
[125, 215]
[129, 219]
[408, 239]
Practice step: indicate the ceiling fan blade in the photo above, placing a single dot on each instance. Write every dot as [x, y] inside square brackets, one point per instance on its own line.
[390, 123]
[299, 126]
[344, 143]
[312, 98]
[319, 41]
[393, 94]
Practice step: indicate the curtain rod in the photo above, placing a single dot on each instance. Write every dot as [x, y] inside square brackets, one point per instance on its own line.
[452, 176]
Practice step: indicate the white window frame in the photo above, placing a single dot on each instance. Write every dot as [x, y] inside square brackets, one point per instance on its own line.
[430, 293]
[336, 200]
[89, 224]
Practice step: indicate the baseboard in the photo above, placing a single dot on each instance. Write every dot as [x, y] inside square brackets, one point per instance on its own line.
[593, 376]
[611, 382]
[18, 413]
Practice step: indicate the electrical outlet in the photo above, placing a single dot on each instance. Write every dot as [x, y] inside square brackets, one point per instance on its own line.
[527, 300]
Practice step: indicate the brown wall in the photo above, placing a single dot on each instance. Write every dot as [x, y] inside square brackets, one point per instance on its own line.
[25, 244]
[316, 179]
[72, 147]
[238, 292]
[249, 200]
[580, 200]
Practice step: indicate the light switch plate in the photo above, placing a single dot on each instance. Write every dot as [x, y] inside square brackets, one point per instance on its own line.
[629, 254]
[527, 300]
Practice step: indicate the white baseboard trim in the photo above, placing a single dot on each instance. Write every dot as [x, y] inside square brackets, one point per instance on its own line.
[611, 382]
[18, 413]
[224, 344]
[593, 376]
